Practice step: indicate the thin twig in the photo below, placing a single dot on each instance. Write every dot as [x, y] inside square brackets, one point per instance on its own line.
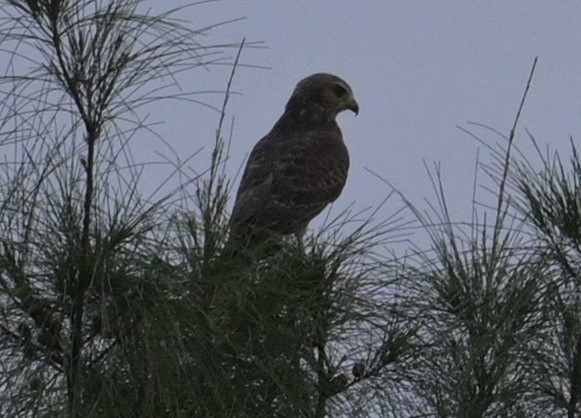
[499, 206]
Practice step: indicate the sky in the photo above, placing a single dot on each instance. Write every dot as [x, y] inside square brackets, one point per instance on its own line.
[419, 69]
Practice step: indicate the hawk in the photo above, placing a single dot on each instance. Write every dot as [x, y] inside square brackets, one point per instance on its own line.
[299, 167]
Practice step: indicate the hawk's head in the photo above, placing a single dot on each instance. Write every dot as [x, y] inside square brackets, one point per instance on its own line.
[323, 92]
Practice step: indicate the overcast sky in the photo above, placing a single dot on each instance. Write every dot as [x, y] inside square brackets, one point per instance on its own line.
[418, 69]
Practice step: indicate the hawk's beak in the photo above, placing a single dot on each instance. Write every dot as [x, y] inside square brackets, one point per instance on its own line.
[353, 106]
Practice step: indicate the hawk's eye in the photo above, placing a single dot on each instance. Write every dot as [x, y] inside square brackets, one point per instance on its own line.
[339, 90]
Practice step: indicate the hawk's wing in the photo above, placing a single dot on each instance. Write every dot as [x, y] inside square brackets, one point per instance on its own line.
[289, 179]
